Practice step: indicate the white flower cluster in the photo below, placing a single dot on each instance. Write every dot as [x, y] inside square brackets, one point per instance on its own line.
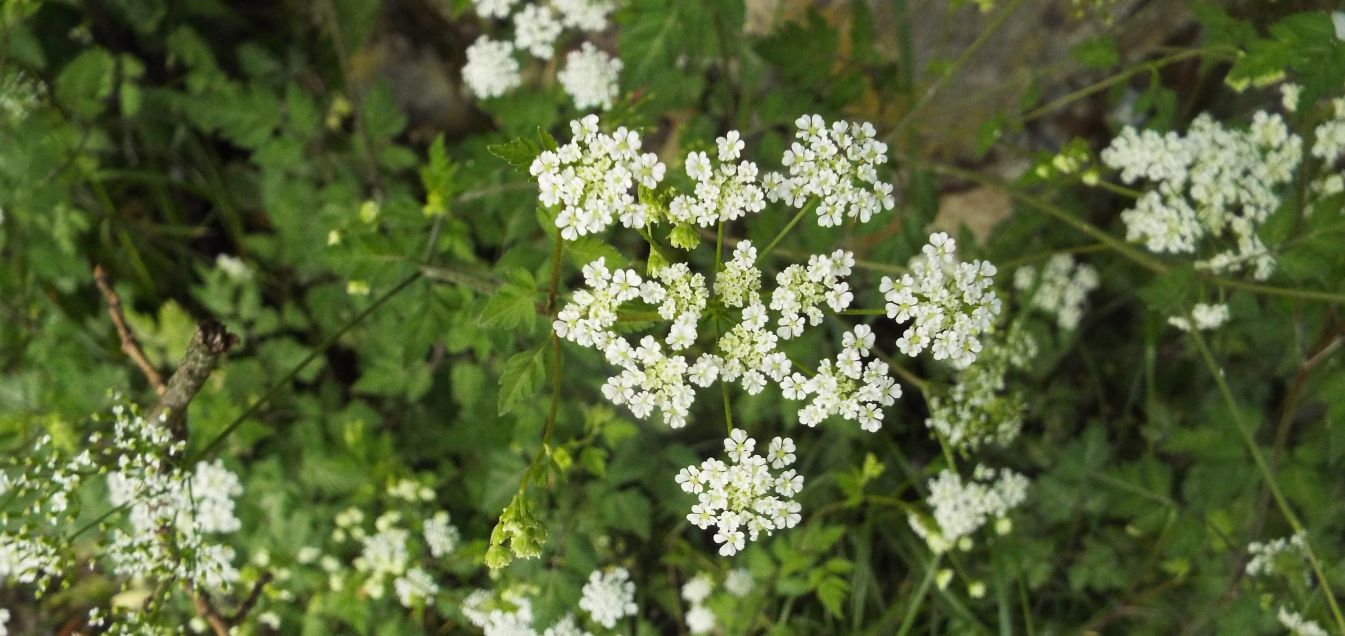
[681, 298]
[388, 553]
[696, 591]
[962, 507]
[848, 387]
[1211, 183]
[1281, 556]
[721, 194]
[588, 318]
[1059, 288]
[977, 410]
[745, 498]
[42, 485]
[800, 291]
[747, 354]
[1207, 317]
[171, 509]
[739, 283]
[508, 615]
[491, 69]
[949, 304]
[837, 166]
[1329, 146]
[700, 619]
[589, 75]
[609, 596]
[1297, 625]
[606, 597]
[1329, 137]
[592, 176]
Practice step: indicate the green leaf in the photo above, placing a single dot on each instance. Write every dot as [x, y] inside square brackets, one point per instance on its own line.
[437, 177]
[518, 153]
[648, 40]
[832, 591]
[1172, 292]
[86, 82]
[513, 305]
[1098, 53]
[523, 375]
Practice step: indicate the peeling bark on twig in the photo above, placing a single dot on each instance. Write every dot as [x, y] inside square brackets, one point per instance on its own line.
[211, 341]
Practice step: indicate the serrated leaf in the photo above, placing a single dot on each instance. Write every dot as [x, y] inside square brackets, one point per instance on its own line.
[831, 592]
[518, 153]
[512, 306]
[522, 376]
[648, 40]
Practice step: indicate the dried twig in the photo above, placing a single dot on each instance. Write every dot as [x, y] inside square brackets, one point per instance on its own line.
[251, 600]
[210, 342]
[129, 344]
[207, 610]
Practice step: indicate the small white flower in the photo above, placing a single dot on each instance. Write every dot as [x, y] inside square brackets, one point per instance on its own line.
[609, 597]
[739, 582]
[590, 77]
[700, 620]
[697, 589]
[491, 69]
[536, 29]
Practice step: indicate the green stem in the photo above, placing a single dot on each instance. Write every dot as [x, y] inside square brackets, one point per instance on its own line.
[919, 599]
[728, 409]
[312, 355]
[1271, 483]
[864, 312]
[1271, 290]
[1109, 82]
[933, 90]
[808, 207]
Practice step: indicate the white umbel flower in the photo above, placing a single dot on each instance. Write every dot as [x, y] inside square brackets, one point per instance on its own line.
[801, 291]
[586, 15]
[1060, 288]
[724, 193]
[592, 176]
[739, 283]
[491, 69]
[1281, 556]
[836, 164]
[1213, 186]
[743, 499]
[494, 8]
[977, 410]
[1207, 317]
[700, 620]
[847, 386]
[949, 304]
[739, 582]
[415, 588]
[590, 77]
[441, 537]
[962, 507]
[536, 29]
[608, 597]
[1297, 625]
[697, 589]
